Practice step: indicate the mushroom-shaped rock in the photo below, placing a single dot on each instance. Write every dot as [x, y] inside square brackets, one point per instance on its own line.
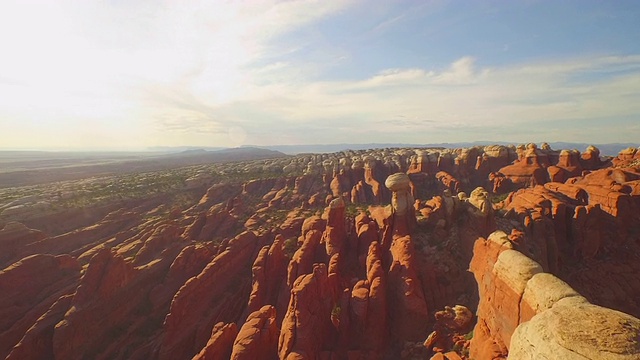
[400, 185]
[398, 182]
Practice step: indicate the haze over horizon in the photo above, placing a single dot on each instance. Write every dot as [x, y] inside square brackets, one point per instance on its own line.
[138, 74]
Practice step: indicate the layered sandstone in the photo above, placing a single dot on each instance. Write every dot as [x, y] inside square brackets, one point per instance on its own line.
[528, 314]
[294, 262]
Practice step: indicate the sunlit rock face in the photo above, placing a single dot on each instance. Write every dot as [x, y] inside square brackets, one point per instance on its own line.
[401, 200]
[363, 254]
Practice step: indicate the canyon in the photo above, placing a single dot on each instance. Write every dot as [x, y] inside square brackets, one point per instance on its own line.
[485, 252]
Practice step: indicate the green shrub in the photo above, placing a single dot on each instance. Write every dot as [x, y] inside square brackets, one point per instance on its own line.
[336, 310]
[290, 246]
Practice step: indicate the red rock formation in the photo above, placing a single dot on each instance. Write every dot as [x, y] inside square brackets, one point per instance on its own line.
[311, 223]
[587, 238]
[528, 314]
[216, 194]
[494, 328]
[358, 193]
[163, 237]
[189, 263]
[449, 182]
[28, 288]
[105, 297]
[544, 216]
[292, 225]
[335, 234]
[220, 344]
[582, 218]
[403, 213]
[197, 306]
[466, 161]
[279, 185]
[408, 308]
[451, 355]
[435, 212]
[13, 236]
[358, 308]
[571, 191]
[485, 166]
[37, 342]
[367, 232]
[478, 220]
[258, 338]
[590, 159]
[567, 167]
[496, 157]
[258, 187]
[268, 273]
[610, 188]
[375, 192]
[626, 157]
[303, 259]
[384, 269]
[76, 241]
[65, 220]
[451, 325]
[528, 171]
[424, 162]
[307, 325]
[376, 323]
[218, 223]
[305, 188]
[340, 185]
[446, 162]
[192, 231]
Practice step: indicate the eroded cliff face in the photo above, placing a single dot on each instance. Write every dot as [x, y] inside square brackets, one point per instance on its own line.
[525, 313]
[353, 255]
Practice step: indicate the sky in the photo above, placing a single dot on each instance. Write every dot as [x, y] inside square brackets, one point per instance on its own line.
[135, 74]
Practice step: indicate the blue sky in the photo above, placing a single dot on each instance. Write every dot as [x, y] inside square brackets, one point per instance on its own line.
[127, 75]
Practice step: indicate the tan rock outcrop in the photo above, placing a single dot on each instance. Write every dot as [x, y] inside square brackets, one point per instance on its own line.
[574, 329]
[528, 314]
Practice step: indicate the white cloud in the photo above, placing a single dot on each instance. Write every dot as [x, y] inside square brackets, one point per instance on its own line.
[461, 72]
[62, 61]
[159, 73]
[463, 98]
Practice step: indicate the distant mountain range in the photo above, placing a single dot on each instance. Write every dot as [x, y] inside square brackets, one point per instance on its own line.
[611, 149]
[20, 168]
[605, 149]
[173, 149]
